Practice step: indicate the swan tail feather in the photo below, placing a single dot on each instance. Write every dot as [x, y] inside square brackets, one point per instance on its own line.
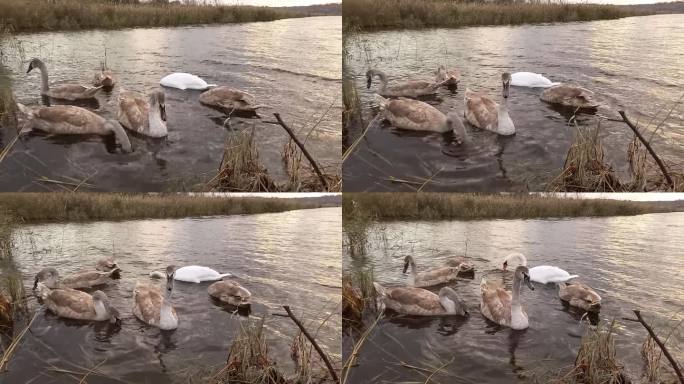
[572, 277]
[222, 275]
[212, 86]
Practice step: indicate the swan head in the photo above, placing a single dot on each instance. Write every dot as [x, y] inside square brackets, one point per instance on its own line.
[170, 274]
[506, 82]
[48, 277]
[408, 261]
[522, 273]
[158, 100]
[451, 302]
[514, 257]
[35, 63]
[455, 123]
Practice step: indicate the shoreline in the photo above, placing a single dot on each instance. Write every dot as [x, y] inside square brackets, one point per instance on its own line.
[46, 207]
[31, 16]
[358, 14]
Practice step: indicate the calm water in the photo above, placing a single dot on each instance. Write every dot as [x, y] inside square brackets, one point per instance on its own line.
[271, 255]
[265, 59]
[632, 262]
[629, 67]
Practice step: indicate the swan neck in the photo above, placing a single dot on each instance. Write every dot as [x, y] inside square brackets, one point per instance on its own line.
[517, 287]
[43, 75]
[121, 136]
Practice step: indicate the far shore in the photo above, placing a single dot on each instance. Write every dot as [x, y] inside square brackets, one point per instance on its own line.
[69, 15]
[372, 15]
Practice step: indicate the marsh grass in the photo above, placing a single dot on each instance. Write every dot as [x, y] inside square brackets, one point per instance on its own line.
[397, 14]
[463, 206]
[240, 169]
[586, 168]
[301, 176]
[596, 361]
[45, 15]
[42, 207]
[355, 226]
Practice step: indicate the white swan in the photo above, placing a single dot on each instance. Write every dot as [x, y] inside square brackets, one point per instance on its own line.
[530, 79]
[185, 81]
[198, 274]
[421, 302]
[153, 308]
[499, 306]
[543, 274]
[484, 113]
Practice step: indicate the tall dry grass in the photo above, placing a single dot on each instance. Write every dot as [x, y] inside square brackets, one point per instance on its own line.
[462, 206]
[42, 15]
[394, 14]
[40, 207]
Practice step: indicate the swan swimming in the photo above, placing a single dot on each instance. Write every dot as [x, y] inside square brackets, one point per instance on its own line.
[154, 308]
[530, 79]
[72, 304]
[50, 278]
[430, 278]
[416, 115]
[569, 96]
[484, 113]
[185, 81]
[69, 92]
[198, 274]
[413, 88]
[579, 295]
[499, 306]
[71, 120]
[421, 302]
[230, 292]
[146, 116]
[543, 274]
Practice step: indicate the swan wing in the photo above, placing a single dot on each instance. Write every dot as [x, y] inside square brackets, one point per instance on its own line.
[134, 111]
[549, 274]
[228, 98]
[68, 119]
[439, 275]
[71, 304]
[84, 279]
[579, 291]
[496, 303]
[414, 115]
[148, 301]
[413, 301]
[481, 111]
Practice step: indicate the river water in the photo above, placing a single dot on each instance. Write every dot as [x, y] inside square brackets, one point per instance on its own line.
[632, 262]
[627, 65]
[293, 66]
[270, 255]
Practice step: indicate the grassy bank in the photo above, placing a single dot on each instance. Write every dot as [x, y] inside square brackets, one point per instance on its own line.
[39, 207]
[396, 14]
[43, 15]
[441, 206]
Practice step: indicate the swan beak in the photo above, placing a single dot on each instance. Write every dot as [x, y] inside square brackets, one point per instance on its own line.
[368, 83]
[528, 282]
[506, 86]
[406, 265]
[162, 108]
[29, 69]
[505, 264]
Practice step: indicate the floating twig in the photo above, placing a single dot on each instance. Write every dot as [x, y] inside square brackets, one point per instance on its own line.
[331, 369]
[667, 354]
[304, 151]
[650, 150]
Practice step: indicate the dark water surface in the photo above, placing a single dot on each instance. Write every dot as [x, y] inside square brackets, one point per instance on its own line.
[632, 262]
[636, 64]
[293, 66]
[282, 258]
